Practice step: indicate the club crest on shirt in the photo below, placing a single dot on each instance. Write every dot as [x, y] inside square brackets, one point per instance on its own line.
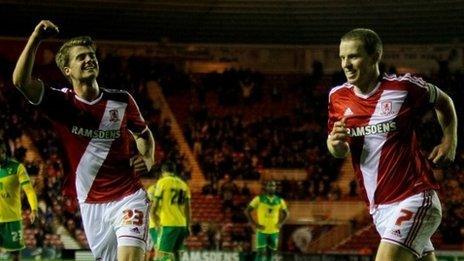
[114, 115]
[386, 108]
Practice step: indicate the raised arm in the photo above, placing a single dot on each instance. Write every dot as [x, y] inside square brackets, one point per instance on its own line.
[22, 79]
[445, 152]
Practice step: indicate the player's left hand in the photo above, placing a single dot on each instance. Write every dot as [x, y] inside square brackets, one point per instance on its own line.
[138, 164]
[32, 216]
[443, 154]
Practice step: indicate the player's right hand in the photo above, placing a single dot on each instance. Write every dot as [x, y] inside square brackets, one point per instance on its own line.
[45, 29]
[339, 136]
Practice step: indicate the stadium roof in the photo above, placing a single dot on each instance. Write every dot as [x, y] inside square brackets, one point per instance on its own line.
[240, 21]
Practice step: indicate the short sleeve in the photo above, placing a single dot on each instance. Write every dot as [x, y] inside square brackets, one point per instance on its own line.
[135, 121]
[151, 192]
[283, 205]
[421, 92]
[332, 116]
[254, 203]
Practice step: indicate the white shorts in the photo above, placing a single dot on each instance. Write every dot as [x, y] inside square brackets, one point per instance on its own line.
[410, 223]
[118, 223]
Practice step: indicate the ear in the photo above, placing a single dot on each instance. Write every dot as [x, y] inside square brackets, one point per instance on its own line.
[377, 56]
[67, 71]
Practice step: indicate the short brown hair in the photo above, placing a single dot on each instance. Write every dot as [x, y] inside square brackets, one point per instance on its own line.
[62, 57]
[368, 37]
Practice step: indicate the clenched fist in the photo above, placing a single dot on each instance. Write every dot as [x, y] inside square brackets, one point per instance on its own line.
[337, 142]
[45, 29]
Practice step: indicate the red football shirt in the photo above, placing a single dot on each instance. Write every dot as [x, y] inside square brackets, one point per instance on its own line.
[96, 139]
[385, 153]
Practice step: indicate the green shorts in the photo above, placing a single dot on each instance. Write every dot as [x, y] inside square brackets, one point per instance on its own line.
[11, 235]
[171, 239]
[267, 240]
[153, 234]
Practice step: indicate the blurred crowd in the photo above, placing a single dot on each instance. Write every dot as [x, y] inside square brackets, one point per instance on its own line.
[234, 144]
[43, 238]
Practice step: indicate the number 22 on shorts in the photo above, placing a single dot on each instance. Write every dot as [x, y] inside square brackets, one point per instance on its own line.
[132, 217]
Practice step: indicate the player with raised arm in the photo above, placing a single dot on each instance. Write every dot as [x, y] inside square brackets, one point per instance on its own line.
[13, 178]
[271, 213]
[171, 208]
[374, 117]
[96, 127]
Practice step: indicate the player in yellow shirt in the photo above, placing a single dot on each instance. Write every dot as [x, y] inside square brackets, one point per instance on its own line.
[171, 208]
[152, 222]
[13, 177]
[271, 212]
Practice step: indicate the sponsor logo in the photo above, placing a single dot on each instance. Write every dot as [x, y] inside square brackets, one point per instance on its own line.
[348, 112]
[396, 232]
[135, 230]
[96, 134]
[372, 129]
[211, 256]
